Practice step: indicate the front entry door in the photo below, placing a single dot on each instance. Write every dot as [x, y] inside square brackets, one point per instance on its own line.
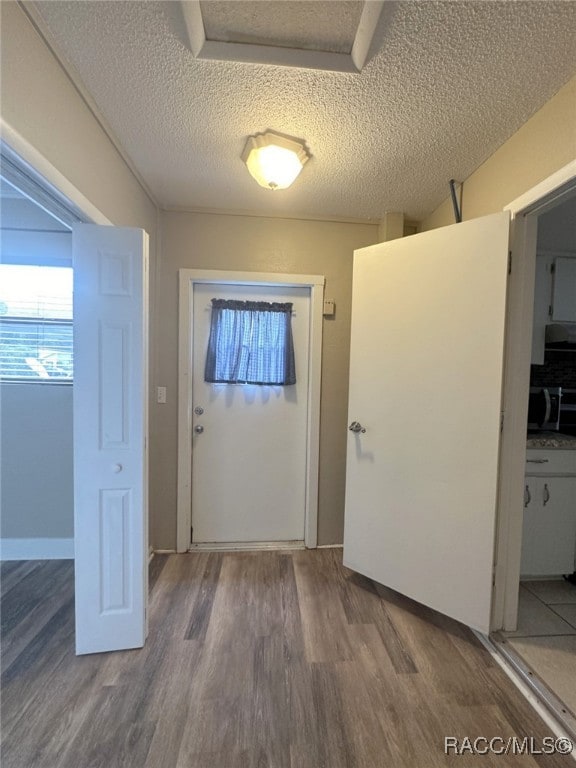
[426, 378]
[249, 441]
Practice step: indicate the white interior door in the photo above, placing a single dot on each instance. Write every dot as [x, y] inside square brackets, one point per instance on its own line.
[425, 382]
[249, 460]
[110, 436]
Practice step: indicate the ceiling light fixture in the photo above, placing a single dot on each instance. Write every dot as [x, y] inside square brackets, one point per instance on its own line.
[274, 160]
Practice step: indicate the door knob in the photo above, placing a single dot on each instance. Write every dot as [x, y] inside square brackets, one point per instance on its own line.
[356, 427]
[199, 429]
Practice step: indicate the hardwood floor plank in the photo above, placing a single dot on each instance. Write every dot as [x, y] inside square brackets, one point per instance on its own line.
[254, 660]
[33, 656]
[12, 572]
[203, 605]
[292, 633]
[156, 565]
[25, 595]
[60, 590]
[324, 621]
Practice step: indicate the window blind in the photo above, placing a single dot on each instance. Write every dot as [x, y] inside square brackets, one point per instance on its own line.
[36, 332]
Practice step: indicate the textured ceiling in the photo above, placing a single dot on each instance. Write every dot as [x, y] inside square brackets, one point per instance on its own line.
[318, 25]
[445, 84]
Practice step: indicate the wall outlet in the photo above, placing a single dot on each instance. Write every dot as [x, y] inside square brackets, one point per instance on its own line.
[161, 394]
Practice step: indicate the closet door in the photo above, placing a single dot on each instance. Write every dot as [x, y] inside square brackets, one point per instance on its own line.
[110, 436]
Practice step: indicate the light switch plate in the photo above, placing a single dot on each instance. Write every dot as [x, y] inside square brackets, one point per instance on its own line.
[329, 308]
[161, 394]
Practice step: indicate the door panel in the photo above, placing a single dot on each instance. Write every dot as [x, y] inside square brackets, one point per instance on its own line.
[110, 434]
[425, 382]
[249, 462]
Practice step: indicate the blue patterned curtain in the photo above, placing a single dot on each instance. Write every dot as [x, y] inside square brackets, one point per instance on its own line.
[250, 343]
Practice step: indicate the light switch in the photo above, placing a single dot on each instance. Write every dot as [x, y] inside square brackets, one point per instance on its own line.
[329, 308]
[161, 395]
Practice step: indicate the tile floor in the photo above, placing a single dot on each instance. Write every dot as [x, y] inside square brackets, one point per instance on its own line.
[546, 635]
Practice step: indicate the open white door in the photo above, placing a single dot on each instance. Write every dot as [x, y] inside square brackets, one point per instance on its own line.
[110, 436]
[426, 369]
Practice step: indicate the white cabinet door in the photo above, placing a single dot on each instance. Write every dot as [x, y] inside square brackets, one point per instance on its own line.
[110, 436]
[549, 531]
[564, 307]
[542, 303]
[425, 382]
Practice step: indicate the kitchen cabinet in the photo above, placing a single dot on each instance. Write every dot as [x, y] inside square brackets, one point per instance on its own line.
[564, 293]
[554, 297]
[542, 299]
[549, 529]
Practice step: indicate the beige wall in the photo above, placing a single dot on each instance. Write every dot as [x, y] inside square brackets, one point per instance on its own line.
[41, 104]
[44, 109]
[212, 241]
[544, 144]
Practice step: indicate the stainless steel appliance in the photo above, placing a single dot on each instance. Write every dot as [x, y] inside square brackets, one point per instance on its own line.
[568, 411]
[544, 409]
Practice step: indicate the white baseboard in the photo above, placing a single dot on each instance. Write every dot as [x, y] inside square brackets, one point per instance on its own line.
[36, 549]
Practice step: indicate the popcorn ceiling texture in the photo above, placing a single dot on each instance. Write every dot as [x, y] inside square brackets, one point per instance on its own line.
[446, 83]
[317, 25]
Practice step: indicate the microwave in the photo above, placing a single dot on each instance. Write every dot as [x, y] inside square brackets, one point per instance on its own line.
[544, 408]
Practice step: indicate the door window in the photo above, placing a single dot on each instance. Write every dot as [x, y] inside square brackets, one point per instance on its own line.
[250, 343]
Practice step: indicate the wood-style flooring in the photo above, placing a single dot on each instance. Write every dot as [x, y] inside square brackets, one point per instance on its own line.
[254, 660]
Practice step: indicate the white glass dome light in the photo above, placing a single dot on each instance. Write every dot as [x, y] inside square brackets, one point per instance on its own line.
[274, 160]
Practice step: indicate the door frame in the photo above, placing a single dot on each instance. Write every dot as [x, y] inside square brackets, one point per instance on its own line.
[187, 279]
[524, 212]
[33, 163]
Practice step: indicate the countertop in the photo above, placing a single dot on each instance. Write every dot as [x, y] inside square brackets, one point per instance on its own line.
[553, 440]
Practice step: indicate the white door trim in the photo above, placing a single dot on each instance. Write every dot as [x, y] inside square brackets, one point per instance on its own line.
[30, 156]
[187, 279]
[524, 211]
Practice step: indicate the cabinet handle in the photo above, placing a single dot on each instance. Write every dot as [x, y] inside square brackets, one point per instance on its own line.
[546, 494]
[537, 461]
[527, 497]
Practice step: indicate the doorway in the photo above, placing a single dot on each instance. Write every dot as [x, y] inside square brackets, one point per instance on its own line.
[104, 586]
[544, 639]
[35, 367]
[213, 499]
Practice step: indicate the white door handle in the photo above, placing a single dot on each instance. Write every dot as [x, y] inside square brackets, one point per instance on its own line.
[117, 468]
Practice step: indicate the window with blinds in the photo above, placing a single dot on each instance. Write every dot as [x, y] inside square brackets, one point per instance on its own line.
[36, 338]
